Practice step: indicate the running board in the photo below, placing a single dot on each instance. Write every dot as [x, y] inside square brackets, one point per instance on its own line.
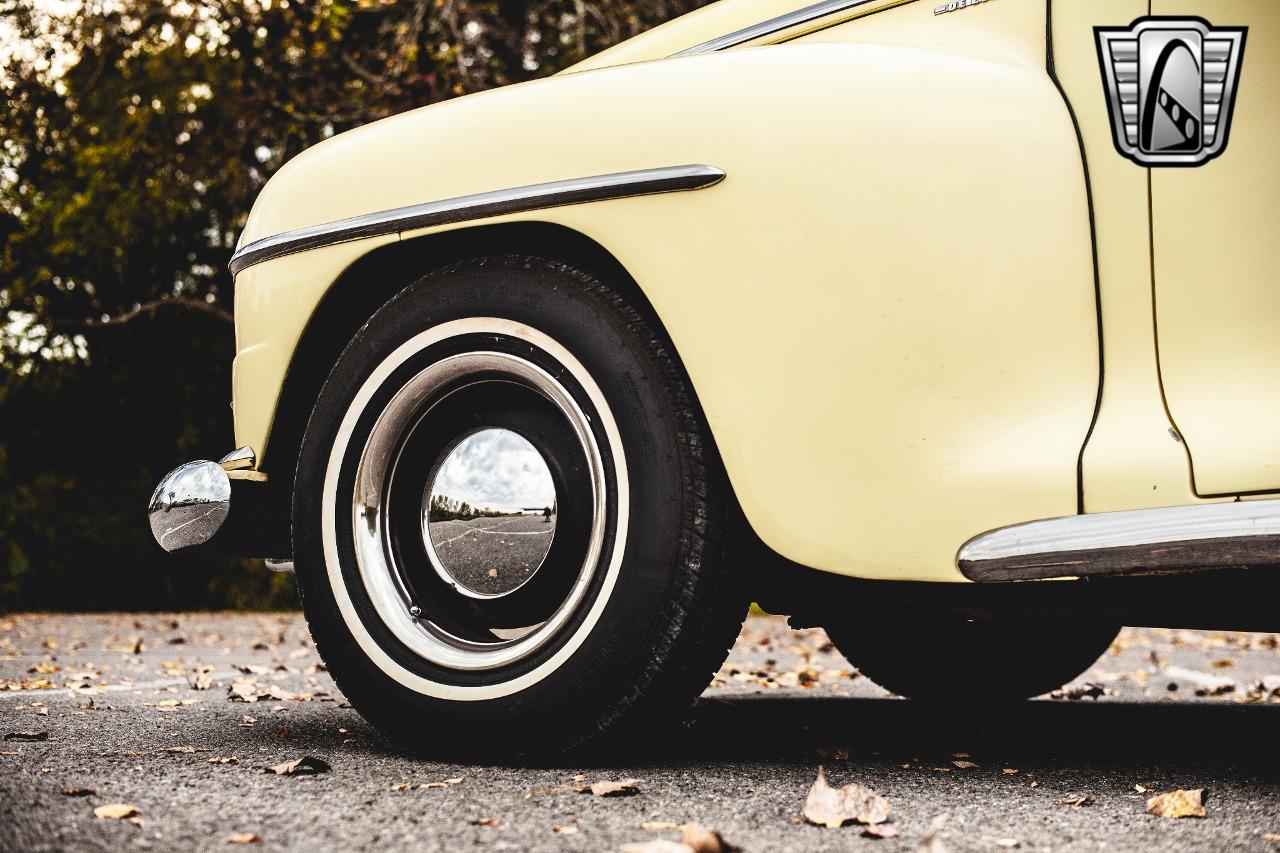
[1178, 538]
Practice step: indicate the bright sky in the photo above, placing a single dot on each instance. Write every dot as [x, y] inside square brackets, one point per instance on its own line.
[498, 469]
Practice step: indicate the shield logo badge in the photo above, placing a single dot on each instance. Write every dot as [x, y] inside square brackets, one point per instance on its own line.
[1171, 85]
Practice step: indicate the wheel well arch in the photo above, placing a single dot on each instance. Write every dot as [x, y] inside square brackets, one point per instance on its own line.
[375, 278]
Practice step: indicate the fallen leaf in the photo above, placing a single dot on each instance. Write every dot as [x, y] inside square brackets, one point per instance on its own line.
[1271, 836]
[115, 811]
[964, 765]
[1205, 684]
[834, 807]
[200, 678]
[653, 825]
[624, 788]
[880, 830]
[1178, 803]
[1143, 789]
[78, 792]
[246, 722]
[1087, 690]
[486, 821]
[1009, 771]
[930, 842]
[224, 759]
[1008, 843]
[565, 830]
[422, 786]
[305, 766]
[27, 736]
[244, 838]
[658, 845]
[699, 839]
[184, 749]
[1086, 800]
[444, 784]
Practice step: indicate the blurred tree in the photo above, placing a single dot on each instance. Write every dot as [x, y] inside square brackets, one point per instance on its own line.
[134, 137]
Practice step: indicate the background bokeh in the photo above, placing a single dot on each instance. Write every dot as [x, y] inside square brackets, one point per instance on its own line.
[134, 136]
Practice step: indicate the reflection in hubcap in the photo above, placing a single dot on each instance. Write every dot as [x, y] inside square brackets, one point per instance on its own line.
[489, 514]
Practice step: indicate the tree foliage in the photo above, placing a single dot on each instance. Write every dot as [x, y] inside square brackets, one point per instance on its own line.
[134, 137]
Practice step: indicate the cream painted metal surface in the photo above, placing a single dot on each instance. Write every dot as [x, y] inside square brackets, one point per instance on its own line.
[930, 294]
[1134, 459]
[1217, 273]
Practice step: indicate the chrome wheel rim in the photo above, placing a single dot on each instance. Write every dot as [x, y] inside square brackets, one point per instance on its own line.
[381, 568]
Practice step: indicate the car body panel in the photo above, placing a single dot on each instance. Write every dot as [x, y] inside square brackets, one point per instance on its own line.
[1134, 459]
[1217, 274]
[931, 377]
[700, 28]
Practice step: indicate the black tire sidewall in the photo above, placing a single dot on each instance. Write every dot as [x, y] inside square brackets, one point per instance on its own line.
[574, 310]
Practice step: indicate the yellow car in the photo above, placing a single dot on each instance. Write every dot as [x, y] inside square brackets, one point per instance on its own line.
[871, 311]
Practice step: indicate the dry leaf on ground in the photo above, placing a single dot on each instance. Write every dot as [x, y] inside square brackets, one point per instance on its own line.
[930, 842]
[1086, 800]
[568, 829]
[485, 821]
[115, 811]
[659, 845]
[30, 736]
[652, 825]
[1178, 803]
[1087, 690]
[424, 786]
[200, 677]
[622, 788]
[307, 765]
[834, 807]
[244, 838]
[964, 765]
[78, 792]
[699, 839]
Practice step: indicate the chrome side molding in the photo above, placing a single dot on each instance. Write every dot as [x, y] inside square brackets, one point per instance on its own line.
[1199, 536]
[479, 206]
[774, 25]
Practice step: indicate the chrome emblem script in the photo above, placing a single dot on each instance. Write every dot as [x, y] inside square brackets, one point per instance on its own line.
[1171, 84]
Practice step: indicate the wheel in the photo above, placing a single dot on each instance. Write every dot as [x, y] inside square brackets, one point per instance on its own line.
[947, 659]
[509, 519]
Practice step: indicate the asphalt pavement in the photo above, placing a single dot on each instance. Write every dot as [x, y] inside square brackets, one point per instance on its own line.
[492, 555]
[181, 717]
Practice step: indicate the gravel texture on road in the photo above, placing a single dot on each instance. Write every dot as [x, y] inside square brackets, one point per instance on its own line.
[150, 711]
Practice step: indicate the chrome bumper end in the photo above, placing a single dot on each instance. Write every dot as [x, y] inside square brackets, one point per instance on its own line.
[190, 505]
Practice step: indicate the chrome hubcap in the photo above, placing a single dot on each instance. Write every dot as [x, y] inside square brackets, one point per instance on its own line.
[478, 510]
[489, 514]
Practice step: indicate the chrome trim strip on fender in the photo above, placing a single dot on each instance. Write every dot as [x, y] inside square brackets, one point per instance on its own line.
[479, 206]
[1199, 536]
[773, 25]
